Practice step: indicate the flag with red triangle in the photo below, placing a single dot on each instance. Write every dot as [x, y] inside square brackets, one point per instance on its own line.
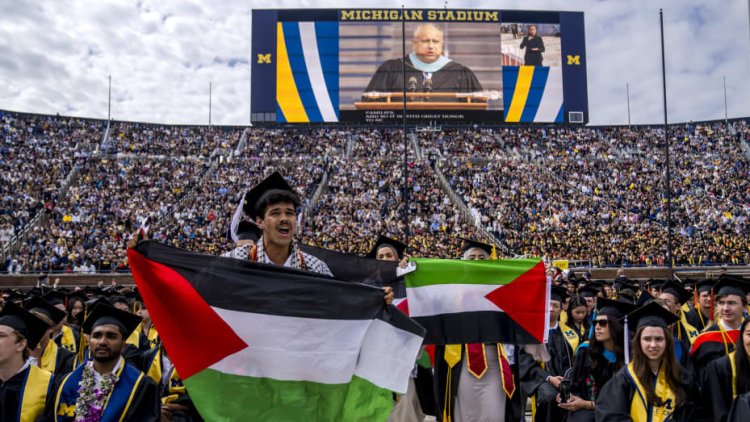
[462, 301]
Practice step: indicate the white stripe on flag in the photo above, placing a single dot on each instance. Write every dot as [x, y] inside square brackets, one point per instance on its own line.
[437, 299]
[552, 98]
[315, 71]
[325, 351]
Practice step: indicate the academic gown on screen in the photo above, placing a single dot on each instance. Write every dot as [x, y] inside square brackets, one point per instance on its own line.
[453, 77]
[29, 390]
[625, 399]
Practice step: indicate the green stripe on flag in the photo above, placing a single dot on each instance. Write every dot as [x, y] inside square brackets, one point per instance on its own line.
[456, 271]
[225, 397]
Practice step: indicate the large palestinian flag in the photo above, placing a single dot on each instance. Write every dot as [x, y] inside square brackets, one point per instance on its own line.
[459, 301]
[261, 342]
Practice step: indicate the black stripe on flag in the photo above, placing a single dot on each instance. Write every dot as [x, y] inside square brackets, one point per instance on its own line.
[473, 327]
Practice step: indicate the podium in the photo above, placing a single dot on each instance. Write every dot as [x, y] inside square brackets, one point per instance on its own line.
[423, 101]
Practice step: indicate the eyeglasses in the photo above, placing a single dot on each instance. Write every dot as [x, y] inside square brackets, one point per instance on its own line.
[601, 322]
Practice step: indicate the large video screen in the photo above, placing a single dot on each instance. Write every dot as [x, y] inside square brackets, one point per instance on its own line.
[445, 66]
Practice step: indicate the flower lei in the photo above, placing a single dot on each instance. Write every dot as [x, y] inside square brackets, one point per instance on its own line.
[91, 400]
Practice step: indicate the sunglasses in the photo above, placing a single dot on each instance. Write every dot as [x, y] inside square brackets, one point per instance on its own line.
[601, 322]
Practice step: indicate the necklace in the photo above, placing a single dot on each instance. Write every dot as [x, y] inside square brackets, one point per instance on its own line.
[91, 400]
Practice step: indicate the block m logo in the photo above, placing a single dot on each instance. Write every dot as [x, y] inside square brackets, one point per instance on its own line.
[576, 60]
[266, 58]
[67, 410]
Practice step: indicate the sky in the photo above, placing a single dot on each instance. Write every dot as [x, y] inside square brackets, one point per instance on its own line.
[56, 56]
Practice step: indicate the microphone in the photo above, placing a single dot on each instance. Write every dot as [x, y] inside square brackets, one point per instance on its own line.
[427, 83]
[412, 84]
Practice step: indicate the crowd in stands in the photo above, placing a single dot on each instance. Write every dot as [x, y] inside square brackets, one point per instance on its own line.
[589, 194]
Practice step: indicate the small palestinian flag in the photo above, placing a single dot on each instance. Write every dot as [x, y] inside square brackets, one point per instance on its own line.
[491, 301]
[262, 342]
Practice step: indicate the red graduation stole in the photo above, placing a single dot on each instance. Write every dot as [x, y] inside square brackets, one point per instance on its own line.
[477, 365]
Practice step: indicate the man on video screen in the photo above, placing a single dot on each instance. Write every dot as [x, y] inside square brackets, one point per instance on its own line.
[427, 69]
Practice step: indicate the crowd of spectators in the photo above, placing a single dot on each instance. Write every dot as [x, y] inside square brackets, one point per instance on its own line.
[589, 194]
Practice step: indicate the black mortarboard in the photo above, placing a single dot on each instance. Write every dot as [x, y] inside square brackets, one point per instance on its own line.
[675, 289]
[248, 231]
[15, 297]
[559, 294]
[588, 291]
[119, 299]
[470, 243]
[40, 305]
[614, 308]
[105, 314]
[385, 241]
[24, 322]
[273, 182]
[35, 291]
[651, 315]
[655, 283]
[732, 285]
[627, 295]
[609, 282]
[55, 297]
[78, 294]
[704, 286]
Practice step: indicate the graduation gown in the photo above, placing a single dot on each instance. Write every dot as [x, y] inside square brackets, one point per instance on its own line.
[697, 319]
[710, 345]
[740, 411]
[30, 390]
[453, 77]
[625, 399]
[533, 376]
[57, 360]
[452, 375]
[171, 388]
[69, 338]
[135, 397]
[585, 385]
[718, 382]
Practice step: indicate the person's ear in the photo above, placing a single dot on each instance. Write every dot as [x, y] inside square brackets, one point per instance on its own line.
[259, 222]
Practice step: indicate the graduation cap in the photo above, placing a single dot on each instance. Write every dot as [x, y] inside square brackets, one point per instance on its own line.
[387, 242]
[704, 286]
[470, 244]
[588, 291]
[627, 295]
[15, 297]
[675, 289]
[274, 182]
[119, 299]
[23, 321]
[35, 291]
[732, 285]
[651, 315]
[37, 304]
[247, 230]
[104, 314]
[559, 294]
[614, 308]
[78, 294]
[55, 297]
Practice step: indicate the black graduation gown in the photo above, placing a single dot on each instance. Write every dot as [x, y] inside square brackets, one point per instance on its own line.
[533, 377]
[10, 395]
[740, 411]
[620, 392]
[189, 415]
[716, 384]
[453, 77]
[695, 320]
[532, 58]
[706, 351]
[76, 335]
[584, 385]
[65, 362]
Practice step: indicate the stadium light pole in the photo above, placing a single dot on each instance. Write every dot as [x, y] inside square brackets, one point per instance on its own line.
[627, 90]
[109, 100]
[405, 192]
[726, 113]
[668, 176]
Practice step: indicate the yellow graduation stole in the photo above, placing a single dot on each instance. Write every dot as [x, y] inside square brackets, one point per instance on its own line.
[176, 387]
[48, 360]
[689, 329]
[571, 336]
[564, 317]
[34, 395]
[640, 410]
[734, 375]
[135, 337]
[68, 340]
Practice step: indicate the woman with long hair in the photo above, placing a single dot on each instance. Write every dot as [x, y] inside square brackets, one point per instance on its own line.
[728, 377]
[576, 325]
[597, 360]
[652, 387]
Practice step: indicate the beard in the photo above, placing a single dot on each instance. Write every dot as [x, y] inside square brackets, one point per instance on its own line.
[105, 355]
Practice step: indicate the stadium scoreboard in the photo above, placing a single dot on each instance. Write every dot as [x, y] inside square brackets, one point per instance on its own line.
[440, 65]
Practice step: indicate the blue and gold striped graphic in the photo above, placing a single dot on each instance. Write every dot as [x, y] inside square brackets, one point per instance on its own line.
[307, 75]
[533, 94]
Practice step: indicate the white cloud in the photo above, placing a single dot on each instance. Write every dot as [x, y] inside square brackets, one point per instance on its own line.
[55, 56]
